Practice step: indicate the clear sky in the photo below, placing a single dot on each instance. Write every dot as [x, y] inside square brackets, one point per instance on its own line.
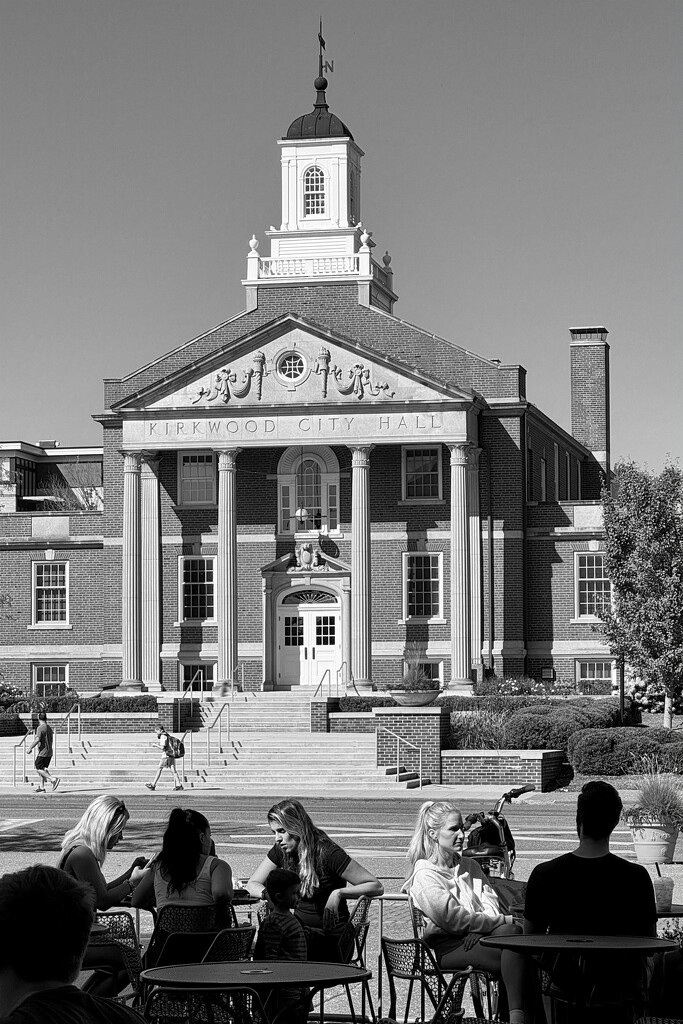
[524, 167]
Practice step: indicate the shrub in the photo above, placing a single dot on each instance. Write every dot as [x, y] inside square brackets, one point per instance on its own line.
[60, 705]
[482, 729]
[551, 725]
[413, 679]
[360, 704]
[612, 751]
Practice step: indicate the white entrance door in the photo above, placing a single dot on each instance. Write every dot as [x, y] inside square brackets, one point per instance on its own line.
[309, 639]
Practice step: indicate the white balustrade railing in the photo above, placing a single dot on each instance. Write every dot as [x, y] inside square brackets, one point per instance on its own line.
[314, 266]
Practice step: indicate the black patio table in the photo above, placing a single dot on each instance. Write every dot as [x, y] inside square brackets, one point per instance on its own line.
[258, 974]
[582, 946]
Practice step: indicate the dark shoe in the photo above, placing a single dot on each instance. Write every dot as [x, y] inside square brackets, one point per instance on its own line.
[39, 790]
[150, 785]
[176, 788]
[55, 783]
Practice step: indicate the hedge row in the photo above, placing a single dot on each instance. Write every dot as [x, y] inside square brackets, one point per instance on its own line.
[100, 705]
[617, 751]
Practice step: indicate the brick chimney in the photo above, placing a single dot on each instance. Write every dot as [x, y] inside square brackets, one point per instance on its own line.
[590, 391]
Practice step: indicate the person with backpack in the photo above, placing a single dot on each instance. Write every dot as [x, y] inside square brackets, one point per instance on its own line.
[171, 749]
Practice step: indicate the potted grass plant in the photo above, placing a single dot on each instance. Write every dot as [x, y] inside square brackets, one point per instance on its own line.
[414, 688]
[656, 818]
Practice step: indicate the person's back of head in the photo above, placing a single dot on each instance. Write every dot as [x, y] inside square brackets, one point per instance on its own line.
[45, 920]
[598, 809]
[182, 847]
[278, 882]
[42, 717]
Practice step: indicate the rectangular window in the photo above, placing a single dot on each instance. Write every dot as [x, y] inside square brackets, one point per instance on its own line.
[422, 590]
[49, 680]
[529, 474]
[332, 507]
[568, 475]
[432, 669]
[544, 479]
[556, 468]
[593, 589]
[594, 677]
[50, 593]
[199, 674]
[421, 474]
[197, 483]
[197, 590]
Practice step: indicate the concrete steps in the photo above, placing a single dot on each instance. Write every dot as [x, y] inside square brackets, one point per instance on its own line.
[259, 751]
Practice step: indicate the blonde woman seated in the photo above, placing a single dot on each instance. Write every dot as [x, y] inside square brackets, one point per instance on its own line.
[84, 849]
[460, 906]
[185, 872]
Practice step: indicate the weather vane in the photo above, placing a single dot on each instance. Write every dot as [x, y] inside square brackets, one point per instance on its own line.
[323, 65]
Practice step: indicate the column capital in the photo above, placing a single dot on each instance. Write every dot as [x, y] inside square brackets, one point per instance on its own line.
[360, 453]
[150, 461]
[473, 454]
[458, 450]
[131, 462]
[227, 459]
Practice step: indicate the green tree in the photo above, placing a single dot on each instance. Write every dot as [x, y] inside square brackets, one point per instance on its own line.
[644, 560]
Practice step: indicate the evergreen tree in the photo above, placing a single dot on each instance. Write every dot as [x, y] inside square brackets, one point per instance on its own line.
[644, 560]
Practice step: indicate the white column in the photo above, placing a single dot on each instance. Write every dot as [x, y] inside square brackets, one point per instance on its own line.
[461, 660]
[130, 574]
[150, 575]
[475, 553]
[226, 570]
[361, 590]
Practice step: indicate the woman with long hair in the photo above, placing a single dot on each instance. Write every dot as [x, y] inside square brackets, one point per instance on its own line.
[84, 850]
[453, 893]
[328, 875]
[186, 871]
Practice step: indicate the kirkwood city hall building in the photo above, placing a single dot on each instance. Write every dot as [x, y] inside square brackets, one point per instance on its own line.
[313, 491]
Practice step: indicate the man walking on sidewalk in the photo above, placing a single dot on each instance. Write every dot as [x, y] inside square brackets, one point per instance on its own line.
[43, 740]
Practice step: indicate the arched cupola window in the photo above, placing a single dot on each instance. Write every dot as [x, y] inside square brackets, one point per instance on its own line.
[308, 484]
[314, 192]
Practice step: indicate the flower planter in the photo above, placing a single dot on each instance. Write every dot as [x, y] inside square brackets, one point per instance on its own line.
[414, 698]
[654, 843]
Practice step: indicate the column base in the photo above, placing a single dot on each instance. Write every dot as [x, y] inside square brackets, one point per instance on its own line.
[461, 687]
[129, 686]
[362, 685]
[152, 686]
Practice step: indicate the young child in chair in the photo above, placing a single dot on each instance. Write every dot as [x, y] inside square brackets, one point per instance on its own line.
[283, 937]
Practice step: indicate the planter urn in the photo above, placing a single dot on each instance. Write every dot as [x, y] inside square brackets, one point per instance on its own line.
[414, 698]
[654, 843]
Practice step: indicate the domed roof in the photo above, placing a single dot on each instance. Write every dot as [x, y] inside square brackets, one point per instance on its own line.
[320, 123]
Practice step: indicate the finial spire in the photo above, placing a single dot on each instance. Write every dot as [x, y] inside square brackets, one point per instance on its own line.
[321, 41]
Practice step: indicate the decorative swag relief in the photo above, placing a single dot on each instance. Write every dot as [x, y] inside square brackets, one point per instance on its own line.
[355, 380]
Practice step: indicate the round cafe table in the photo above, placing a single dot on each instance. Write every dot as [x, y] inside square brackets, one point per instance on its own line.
[259, 975]
[584, 947]
[675, 910]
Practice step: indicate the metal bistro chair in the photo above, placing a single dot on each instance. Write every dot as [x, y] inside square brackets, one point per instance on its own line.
[121, 932]
[182, 918]
[205, 1006]
[204, 948]
[484, 987]
[352, 951]
[231, 944]
[412, 960]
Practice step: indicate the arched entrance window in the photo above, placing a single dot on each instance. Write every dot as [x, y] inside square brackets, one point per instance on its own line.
[308, 484]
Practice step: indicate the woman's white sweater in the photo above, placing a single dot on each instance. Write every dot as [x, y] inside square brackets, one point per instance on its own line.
[455, 900]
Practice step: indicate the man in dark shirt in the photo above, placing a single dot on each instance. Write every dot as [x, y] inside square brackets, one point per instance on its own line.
[43, 740]
[591, 892]
[45, 921]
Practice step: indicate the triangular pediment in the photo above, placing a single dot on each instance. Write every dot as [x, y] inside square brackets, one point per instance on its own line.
[288, 364]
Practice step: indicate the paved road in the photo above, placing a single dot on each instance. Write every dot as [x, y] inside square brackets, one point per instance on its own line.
[377, 833]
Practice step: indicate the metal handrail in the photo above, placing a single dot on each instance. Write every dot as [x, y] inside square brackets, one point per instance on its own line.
[190, 687]
[399, 740]
[217, 720]
[77, 708]
[344, 667]
[22, 743]
[322, 680]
